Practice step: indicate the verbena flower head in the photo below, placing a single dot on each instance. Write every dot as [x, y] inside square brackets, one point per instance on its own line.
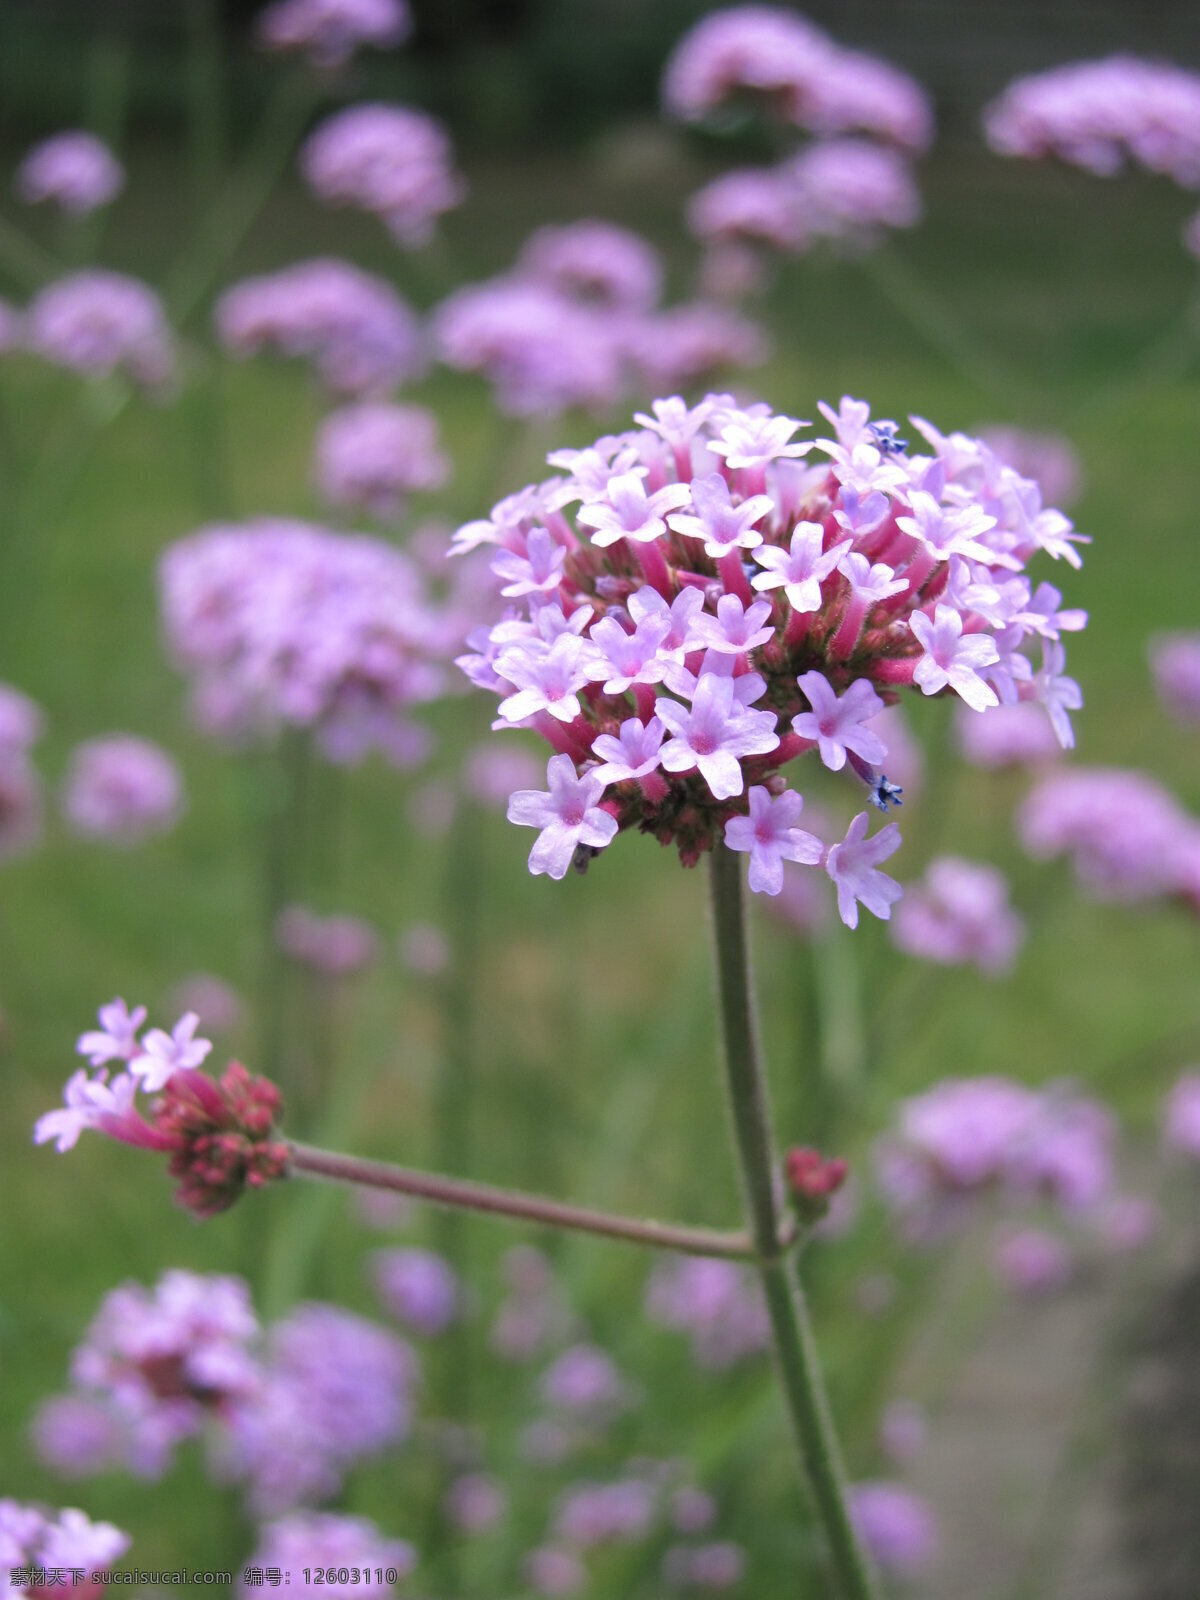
[1181, 1120]
[97, 323]
[1175, 662]
[371, 456]
[74, 170]
[21, 803]
[896, 1525]
[335, 946]
[1100, 114]
[717, 1304]
[1127, 837]
[121, 789]
[1006, 736]
[217, 1134]
[284, 624]
[37, 1545]
[155, 1367]
[475, 1502]
[710, 1568]
[960, 915]
[595, 261]
[326, 1542]
[785, 61]
[419, 1288]
[386, 159]
[695, 604]
[335, 1389]
[585, 1382]
[620, 1512]
[359, 335]
[965, 1136]
[330, 31]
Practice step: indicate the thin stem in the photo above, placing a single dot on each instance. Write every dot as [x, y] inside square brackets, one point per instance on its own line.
[795, 1347]
[458, 1193]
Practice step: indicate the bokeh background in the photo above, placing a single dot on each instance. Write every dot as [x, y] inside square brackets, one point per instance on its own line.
[1030, 294]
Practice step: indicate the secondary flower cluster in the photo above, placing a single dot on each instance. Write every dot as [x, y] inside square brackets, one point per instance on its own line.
[1099, 114]
[39, 1550]
[371, 456]
[959, 916]
[286, 624]
[121, 789]
[285, 1413]
[360, 336]
[839, 189]
[1127, 837]
[98, 323]
[967, 1135]
[577, 323]
[330, 31]
[806, 78]
[74, 170]
[20, 786]
[218, 1134]
[388, 160]
[716, 606]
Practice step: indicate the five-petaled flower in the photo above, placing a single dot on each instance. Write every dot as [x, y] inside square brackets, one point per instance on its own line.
[567, 815]
[771, 837]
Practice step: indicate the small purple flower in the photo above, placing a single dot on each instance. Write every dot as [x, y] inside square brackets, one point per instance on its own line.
[538, 571]
[903, 1430]
[628, 512]
[713, 734]
[854, 867]
[735, 629]
[770, 835]
[121, 789]
[386, 159]
[419, 1288]
[632, 755]
[475, 1502]
[896, 1525]
[372, 455]
[837, 724]
[1032, 1262]
[75, 170]
[117, 1037]
[1175, 661]
[710, 1567]
[596, 262]
[1181, 1123]
[585, 1381]
[960, 914]
[330, 31]
[554, 1572]
[952, 659]
[870, 583]
[800, 569]
[97, 323]
[634, 657]
[567, 815]
[715, 518]
[33, 1542]
[324, 1543]
[547, 678]
[163, 1054]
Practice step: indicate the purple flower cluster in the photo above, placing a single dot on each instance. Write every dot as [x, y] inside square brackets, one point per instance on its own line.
[1181, 1122]
[1175, 662]
[34, 1544]
[576, 323]
[74, 170]
[717, 1304]
[333, 1390]
[1006, 736]
[330, 31]
[1099, 114]
[419, 1288]
[966, 1135]
[286, 624]
[286, 1416]
[20, 786]
[359, 335]
[717, 606]
[121, 789]
[1033, 1262]
[960, 915]
[896, 1525]
[1127, 838]
[153, 1368]
[324, 1544]
[838, 190]
[388, 160]
[334, 946]
[801, 74]
[370, 456]
[97, 323]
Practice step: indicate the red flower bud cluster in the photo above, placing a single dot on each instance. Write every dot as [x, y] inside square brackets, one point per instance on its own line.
[221, 1135]
[813, 1180]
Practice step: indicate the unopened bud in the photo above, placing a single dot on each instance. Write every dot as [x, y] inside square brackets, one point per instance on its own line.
[813, 1180]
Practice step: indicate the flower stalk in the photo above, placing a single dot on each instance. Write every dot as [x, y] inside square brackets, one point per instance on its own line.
[460, 1194]
[795, 1346]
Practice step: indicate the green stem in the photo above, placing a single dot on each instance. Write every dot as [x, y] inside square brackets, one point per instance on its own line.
[795, 1348]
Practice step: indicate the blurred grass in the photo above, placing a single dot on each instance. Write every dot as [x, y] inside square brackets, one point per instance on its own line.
[596, 1075]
